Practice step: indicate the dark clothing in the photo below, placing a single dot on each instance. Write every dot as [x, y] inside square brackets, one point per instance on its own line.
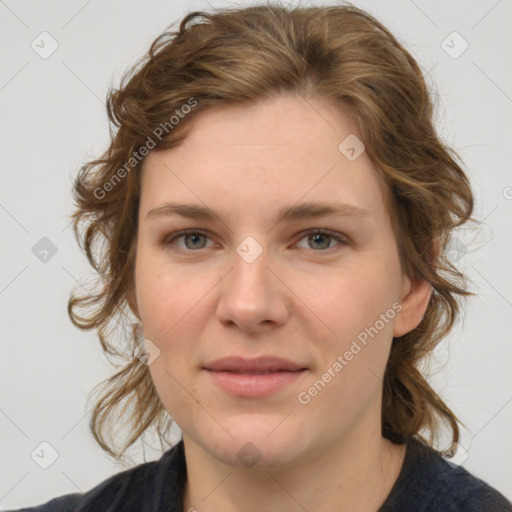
[426, 483]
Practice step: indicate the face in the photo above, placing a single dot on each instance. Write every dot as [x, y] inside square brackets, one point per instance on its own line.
[324, 292]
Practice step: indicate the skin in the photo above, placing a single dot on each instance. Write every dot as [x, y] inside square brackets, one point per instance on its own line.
[301, 299]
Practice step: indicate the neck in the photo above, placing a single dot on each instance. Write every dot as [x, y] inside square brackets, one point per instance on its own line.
[352, 474]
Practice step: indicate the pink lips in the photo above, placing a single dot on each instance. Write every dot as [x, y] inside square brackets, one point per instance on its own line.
[252, 378]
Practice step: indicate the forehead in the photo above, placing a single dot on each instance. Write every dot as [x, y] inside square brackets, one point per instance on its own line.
[261, 156]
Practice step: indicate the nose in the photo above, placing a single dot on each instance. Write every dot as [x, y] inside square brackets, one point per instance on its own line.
[253, 295]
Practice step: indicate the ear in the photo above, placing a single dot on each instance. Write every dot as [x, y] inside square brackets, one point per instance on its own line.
[415, 297]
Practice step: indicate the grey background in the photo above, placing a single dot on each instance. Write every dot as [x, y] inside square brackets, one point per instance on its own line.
[53, 119]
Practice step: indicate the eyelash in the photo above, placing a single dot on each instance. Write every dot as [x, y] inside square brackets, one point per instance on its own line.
[342, 240]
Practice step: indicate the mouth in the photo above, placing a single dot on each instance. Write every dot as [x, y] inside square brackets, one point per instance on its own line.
[253, 373]
[253, 378]
[263, 364]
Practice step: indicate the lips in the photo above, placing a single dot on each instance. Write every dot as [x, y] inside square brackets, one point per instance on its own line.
[254, 378]
[260, 365]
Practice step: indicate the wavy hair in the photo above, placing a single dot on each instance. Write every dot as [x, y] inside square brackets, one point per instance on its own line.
[242, 56]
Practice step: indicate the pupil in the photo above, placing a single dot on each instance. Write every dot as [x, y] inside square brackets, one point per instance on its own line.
[194, 238]
[318, 238]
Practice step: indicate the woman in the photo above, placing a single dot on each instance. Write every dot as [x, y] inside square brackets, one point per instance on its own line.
[272, 215]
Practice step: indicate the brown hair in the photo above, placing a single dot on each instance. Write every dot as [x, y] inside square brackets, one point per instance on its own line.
[242, 56]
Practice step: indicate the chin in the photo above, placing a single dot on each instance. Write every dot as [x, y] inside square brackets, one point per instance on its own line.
[258, 441]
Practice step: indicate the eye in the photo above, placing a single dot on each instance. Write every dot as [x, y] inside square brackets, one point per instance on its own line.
[322, 238]
[192, 239]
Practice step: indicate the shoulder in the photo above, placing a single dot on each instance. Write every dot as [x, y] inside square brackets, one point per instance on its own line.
[429, 483]
[127, 490]
[64, 503]
[461, 490]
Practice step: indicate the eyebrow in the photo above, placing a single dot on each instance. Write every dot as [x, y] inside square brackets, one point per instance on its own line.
[285, 213]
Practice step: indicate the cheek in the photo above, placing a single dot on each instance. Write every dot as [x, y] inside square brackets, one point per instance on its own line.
[356, 298]
[167, 297]
[170, 303]
[360, 307]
